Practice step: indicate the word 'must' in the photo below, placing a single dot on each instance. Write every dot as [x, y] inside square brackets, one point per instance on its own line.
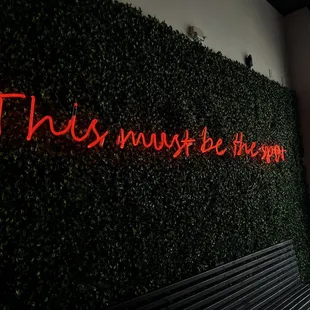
[178, 143]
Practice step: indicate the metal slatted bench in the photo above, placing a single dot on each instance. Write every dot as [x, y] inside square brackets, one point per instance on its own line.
[268, 279]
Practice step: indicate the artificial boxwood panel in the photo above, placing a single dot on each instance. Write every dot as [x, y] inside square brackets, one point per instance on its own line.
[85, 228]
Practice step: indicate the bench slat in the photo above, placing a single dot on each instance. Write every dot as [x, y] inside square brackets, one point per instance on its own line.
[260, 263]
[301, 289]
[274, 288]
[250, 283]
[305, 304]
[276, 297]
[296, 299]
[287, 275]
[166, 291]
[221, 285]
[267, 279]
[301, 303]
[245, 299]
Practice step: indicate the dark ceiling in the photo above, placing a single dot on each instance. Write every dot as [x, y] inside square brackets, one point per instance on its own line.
[289, 6]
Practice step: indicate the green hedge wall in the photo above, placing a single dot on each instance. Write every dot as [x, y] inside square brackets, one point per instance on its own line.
[85, 228]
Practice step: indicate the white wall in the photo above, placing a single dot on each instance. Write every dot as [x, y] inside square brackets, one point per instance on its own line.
[234, 27]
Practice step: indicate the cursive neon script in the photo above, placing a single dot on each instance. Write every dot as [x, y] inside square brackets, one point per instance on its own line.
[158, 142]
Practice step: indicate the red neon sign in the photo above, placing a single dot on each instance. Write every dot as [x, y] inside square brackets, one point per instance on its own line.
[267, 153]
[211, 146]
[153, 142]
[70, 127]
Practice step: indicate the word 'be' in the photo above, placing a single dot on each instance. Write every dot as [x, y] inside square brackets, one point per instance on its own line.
[180, 144]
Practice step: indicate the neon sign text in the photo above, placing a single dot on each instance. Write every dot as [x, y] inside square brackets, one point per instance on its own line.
[157, 145]
[158, 142]
[70, 127]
